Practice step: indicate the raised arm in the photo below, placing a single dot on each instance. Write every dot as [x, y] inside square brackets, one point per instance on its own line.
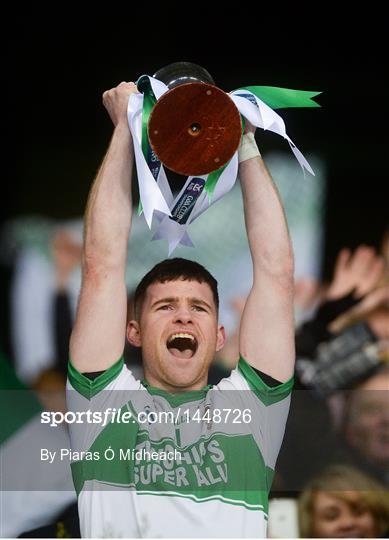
[267, 326]
[98, 336]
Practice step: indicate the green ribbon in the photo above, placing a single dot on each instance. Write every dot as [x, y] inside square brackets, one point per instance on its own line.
[273, 96]
[148, 104]
[212, 180]
[280, 98]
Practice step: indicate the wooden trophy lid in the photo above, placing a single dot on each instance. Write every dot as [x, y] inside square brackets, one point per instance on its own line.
[194, 128]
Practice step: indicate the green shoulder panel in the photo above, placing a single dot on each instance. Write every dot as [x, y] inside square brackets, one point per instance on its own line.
[88, 387]
[267, 394]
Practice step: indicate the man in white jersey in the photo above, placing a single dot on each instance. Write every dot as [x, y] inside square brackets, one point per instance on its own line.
[206, 470]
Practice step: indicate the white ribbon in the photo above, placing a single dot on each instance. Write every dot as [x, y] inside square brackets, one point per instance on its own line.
[150, 193]
[163, 184]
[261, 115]
[156, 196]
[175, 232]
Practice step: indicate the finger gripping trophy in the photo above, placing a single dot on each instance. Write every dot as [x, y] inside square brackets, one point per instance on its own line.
[182, 120]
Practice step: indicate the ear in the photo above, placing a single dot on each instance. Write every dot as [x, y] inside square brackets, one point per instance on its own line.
[221, 338]
[133, 333]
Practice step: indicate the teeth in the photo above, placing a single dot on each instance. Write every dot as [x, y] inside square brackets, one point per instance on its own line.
[181, 335]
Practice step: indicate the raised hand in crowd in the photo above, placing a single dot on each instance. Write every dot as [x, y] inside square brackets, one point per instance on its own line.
[373, 309]
[357, 272]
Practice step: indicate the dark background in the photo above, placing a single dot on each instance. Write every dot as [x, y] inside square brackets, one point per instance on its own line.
[58, 66]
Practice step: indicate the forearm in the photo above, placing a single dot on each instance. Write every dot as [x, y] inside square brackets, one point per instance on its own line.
[109, 207]
[267, 328]
[266, 225]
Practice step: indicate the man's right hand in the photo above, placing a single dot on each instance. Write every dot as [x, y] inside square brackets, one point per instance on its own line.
[99, 331]
[116, 101]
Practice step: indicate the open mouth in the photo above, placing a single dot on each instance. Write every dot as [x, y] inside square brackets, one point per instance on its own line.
[182, 345]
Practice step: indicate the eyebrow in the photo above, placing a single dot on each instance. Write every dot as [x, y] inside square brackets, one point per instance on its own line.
[175, 299]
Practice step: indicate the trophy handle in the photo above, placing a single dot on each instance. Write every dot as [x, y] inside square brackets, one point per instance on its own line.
[181, 73]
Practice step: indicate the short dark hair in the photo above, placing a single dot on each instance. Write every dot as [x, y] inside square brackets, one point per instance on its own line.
[171, 270]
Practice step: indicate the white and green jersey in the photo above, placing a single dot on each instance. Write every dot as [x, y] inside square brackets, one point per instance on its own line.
[197, 464]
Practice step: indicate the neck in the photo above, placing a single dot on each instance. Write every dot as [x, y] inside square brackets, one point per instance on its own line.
[174, 388]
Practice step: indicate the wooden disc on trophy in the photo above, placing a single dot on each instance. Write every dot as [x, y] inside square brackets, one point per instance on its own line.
[194, 128]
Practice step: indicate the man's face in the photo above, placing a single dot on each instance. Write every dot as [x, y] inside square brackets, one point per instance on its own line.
[368, 425]
[179, 334]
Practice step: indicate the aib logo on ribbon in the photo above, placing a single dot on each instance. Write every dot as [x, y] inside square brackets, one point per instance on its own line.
[153, 162]
[187, 201]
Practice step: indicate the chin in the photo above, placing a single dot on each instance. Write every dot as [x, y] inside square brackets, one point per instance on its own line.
[183, 377]
[182, 380]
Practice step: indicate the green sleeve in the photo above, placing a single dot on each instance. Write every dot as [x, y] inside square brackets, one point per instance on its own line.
[267, 394]
[88, 387]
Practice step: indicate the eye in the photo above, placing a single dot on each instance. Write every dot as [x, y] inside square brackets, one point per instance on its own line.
[359, 509]
[165, 307]
[331, 514]
[199, 308]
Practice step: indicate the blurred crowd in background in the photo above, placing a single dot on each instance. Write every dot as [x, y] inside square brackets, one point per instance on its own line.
[332, 474]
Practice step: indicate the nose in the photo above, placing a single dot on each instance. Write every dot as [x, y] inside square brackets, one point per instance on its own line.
[347, 523]
[183, 315]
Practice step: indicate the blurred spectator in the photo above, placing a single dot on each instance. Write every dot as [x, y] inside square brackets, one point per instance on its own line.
[49, 388]
[328, 363]
[366, 424]
[33, 492]
[356, 275]
[43, 302]
[341, 502]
